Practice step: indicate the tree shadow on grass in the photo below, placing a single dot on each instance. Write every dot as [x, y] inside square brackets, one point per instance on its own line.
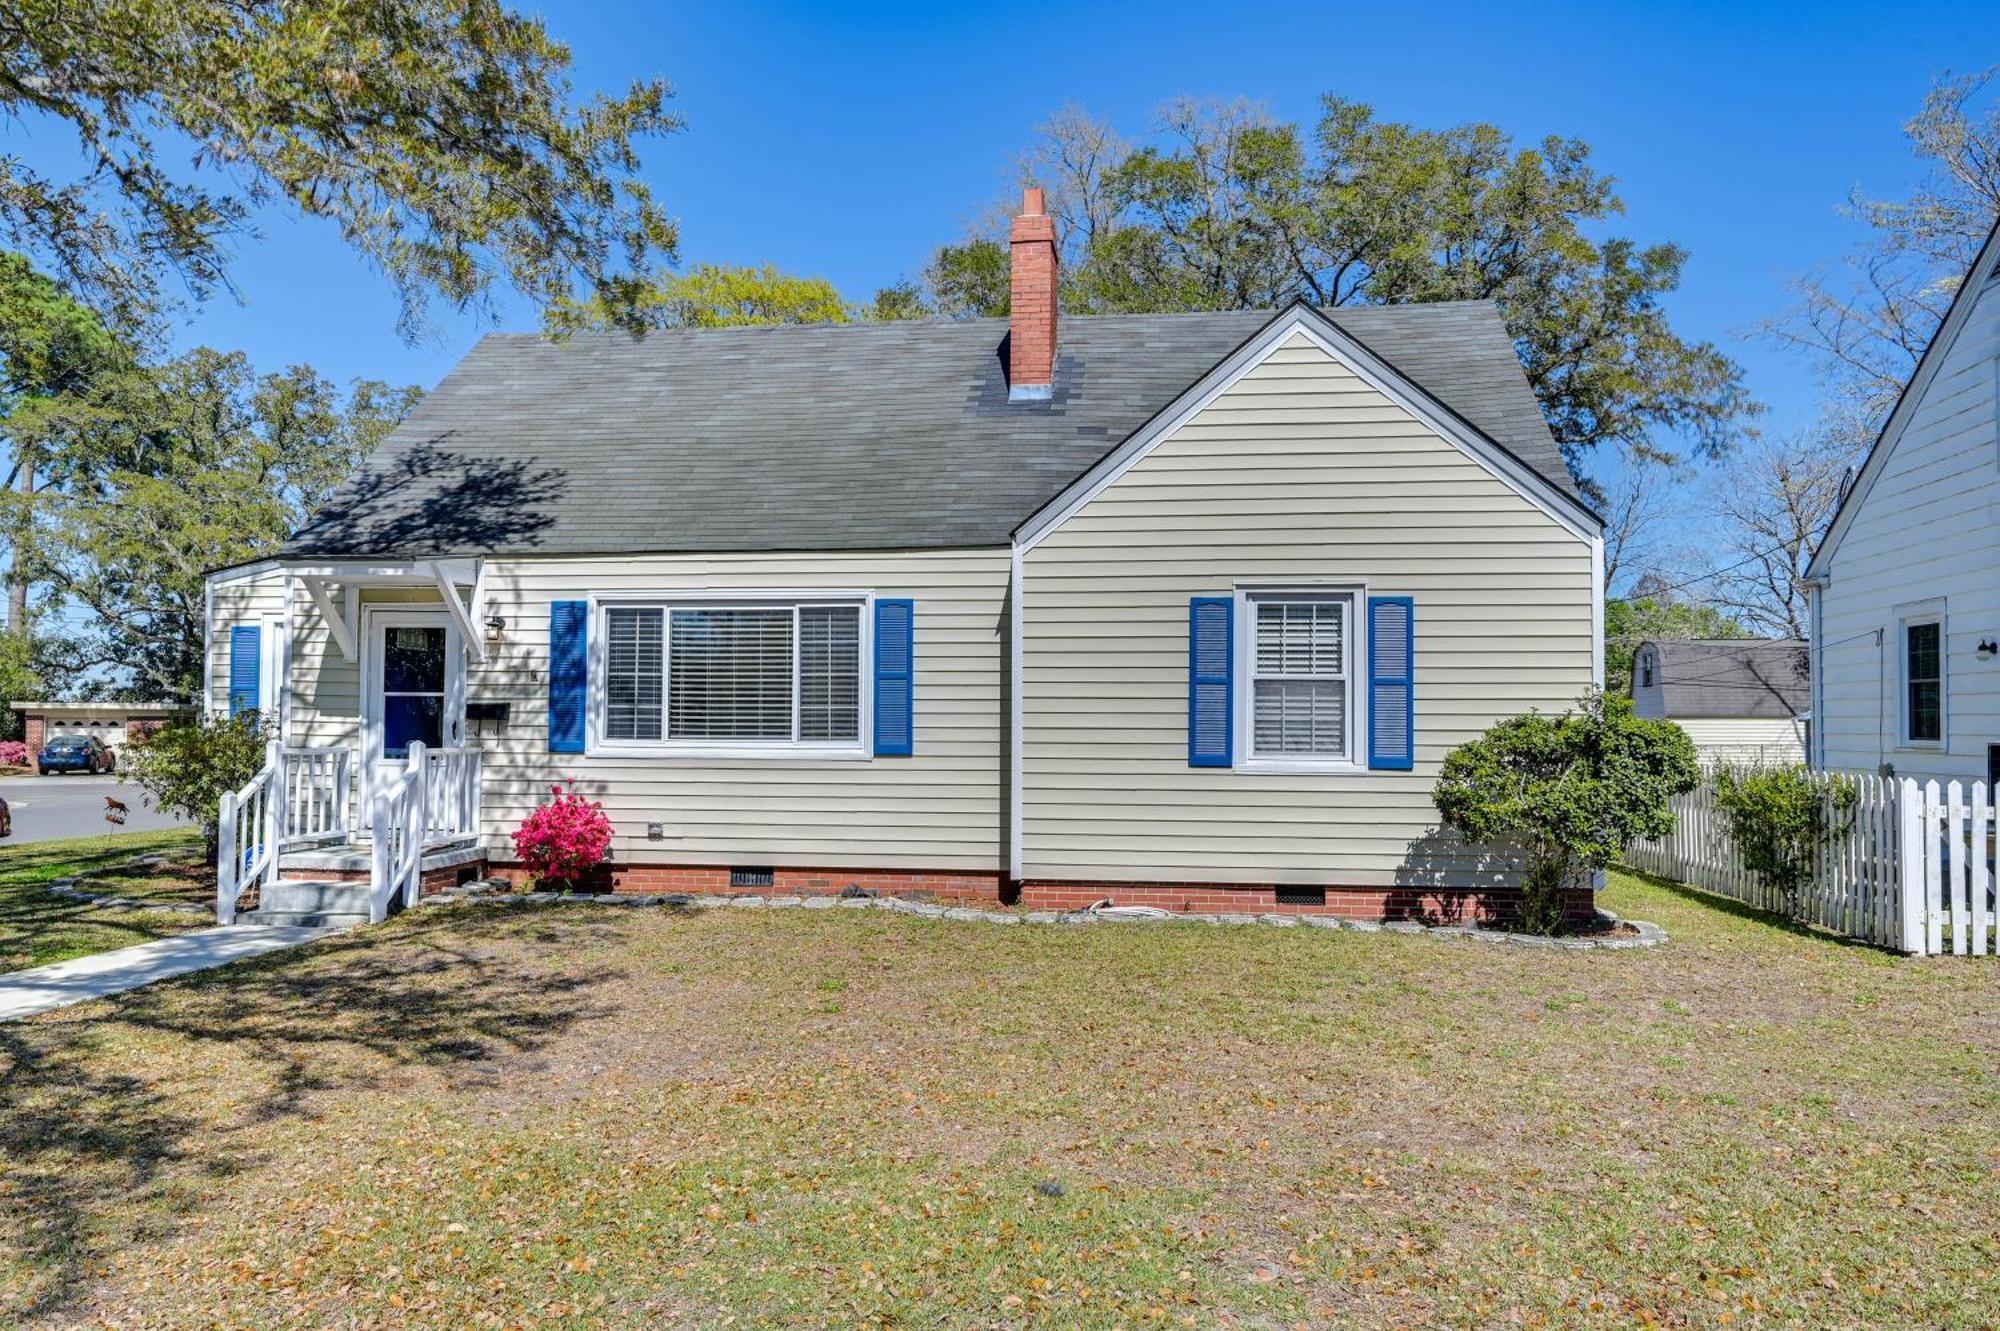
[37, 926]
[112, 1124]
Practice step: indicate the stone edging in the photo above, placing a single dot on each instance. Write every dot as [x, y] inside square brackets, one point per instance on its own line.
[67, 889]
[1648, 934]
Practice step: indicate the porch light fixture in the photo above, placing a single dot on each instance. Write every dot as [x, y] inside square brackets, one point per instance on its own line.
[496, 630]
[1988, 649]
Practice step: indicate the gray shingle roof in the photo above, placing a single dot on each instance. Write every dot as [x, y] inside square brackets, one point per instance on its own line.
[863, 436]
[1741, 677]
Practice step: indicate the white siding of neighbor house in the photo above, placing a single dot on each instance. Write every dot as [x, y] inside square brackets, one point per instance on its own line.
[1761, 741]
[1301, 472]
[1925, 534]
[941, 808]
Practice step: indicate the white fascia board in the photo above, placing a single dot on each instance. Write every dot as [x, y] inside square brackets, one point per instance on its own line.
[1906, 404]
[222, 577]
[1570, 513]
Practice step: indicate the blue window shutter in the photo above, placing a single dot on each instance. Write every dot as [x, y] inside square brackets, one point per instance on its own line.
[246, 662]
[1392, 677]
[569, 674]
[895, 664]
[1211, 667]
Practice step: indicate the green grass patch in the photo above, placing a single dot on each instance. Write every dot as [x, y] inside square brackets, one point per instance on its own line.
[37, 927]
[588, 1118]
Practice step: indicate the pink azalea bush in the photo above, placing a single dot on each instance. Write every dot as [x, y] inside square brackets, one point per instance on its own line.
[13, 753]
[565, 838]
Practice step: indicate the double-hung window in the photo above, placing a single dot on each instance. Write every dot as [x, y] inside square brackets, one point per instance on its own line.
[1923, 680]
[1299, 694]
[732, 676]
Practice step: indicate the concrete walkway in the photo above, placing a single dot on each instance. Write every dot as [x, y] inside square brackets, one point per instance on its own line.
[45, 988]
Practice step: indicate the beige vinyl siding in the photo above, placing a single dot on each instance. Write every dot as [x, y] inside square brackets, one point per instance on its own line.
[1756, 740]
[942, 807]
[325, 698]
[1300, 473]
[250, 598]
[1927, 530]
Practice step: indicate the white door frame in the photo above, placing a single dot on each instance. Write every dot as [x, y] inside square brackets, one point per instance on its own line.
[373, 621]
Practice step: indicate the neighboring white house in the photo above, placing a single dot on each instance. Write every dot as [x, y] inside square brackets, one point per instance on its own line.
[1741, 700]
[1906, 585]
[1176, 609]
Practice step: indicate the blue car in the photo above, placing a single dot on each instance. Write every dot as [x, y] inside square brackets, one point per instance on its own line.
[74, 753]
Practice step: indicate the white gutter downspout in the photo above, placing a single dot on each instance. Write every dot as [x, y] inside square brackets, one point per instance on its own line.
[1015, 727]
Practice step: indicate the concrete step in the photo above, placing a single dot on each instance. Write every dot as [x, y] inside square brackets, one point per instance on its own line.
[301, 919]
[321, 896]
[359, 857]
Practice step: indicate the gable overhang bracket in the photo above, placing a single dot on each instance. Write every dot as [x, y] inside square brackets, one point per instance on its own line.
[461, 613]
[339, 619]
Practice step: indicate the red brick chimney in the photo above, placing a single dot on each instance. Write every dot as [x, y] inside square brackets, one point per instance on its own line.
[1031, 337]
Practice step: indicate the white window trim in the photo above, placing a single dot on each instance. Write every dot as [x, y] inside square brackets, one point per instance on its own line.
[1924, 612]
[1354, 761]
[859, 749]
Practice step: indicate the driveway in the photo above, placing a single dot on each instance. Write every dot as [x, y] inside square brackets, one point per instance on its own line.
[50, 807]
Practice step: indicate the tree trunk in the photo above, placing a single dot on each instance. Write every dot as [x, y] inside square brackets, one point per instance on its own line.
[17, 585]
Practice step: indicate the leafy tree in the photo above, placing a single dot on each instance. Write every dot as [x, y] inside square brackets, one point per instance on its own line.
[1229, 209]
[1779, 818]
[49, 345]
[713, 295]
[168, 471]
[1570, 791]
[441, 137]
[188, 767]
[1865, 324]
[1649, 616]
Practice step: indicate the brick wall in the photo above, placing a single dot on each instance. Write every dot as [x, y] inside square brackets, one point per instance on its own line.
[1354, 903]
[37, 733]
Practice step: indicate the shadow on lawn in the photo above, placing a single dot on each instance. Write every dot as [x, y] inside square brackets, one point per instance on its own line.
[32, 918]
[1721, 905]
[98, 1153]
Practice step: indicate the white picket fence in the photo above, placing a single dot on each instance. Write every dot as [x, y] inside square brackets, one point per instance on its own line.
[1908, 866]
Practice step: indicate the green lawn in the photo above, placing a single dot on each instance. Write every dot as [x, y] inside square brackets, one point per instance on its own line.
[576, 1116]
[37, 927]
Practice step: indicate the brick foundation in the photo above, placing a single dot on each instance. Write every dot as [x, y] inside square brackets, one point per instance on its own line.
[970, 887]
[1353, 903]
[987, 889]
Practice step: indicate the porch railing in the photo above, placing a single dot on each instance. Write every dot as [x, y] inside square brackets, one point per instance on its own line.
[305, 797]
[399, 817]
[319, 790]
[451, 794]
[249, 833]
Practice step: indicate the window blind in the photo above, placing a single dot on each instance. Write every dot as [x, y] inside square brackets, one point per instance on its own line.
[1298, 701]
[634, 673]
[732, 674]
[829, 672]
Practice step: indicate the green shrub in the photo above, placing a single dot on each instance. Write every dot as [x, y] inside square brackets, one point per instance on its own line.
[188, 767]
[1568, 790]
[1779, 817]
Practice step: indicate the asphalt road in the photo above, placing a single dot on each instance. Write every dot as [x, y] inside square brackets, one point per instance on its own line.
[48, 807]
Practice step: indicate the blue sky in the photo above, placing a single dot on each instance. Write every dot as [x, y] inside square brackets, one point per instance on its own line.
[847, 141]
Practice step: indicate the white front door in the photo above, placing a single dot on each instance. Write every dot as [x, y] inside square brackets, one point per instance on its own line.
[412, 690]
